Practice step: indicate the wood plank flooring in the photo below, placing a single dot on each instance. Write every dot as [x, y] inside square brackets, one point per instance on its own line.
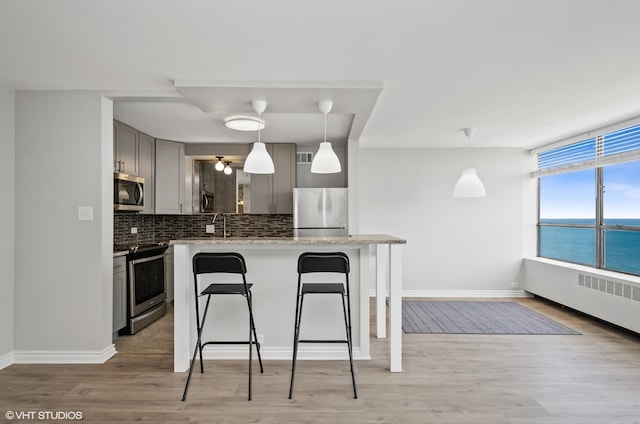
[588, 378]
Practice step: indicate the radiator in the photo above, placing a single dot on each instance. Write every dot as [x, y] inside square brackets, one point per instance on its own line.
[609, 296]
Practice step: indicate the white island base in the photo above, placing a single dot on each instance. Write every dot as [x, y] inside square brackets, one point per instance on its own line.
[272, 268]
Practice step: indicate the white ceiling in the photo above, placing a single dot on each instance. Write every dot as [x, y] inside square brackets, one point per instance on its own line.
[523, 72]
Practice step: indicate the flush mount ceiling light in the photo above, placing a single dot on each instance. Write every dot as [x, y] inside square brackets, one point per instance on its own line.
[259, 161]
[325, 160]
[227, 168]
[219, 165]
[469, 184]
[244, 123]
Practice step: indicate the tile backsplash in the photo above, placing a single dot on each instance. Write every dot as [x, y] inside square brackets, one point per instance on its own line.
[158, 228]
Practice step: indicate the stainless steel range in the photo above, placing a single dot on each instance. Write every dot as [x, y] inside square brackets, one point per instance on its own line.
[146, 288]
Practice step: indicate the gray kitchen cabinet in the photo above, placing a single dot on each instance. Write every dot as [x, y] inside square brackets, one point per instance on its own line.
[284, 179]
[273, 193]
[170, 180]
[119, 293]
[146, 168]
[125, 148]
[261, 193]
[168, 270]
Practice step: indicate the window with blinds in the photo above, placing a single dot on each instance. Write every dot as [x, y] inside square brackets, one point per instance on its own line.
[589, 200]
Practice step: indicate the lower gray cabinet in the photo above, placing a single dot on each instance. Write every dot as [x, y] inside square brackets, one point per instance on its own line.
[119, 293]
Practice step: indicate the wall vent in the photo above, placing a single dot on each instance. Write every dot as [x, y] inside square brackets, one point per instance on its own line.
[616, 288]
[304, 157]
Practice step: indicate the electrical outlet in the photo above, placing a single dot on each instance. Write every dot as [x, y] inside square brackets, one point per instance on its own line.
[134, 230]
[210, 229]
[261, 338]
[515, 285]
[85, 213]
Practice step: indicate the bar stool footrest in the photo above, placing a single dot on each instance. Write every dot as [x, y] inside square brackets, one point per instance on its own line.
[231, 342]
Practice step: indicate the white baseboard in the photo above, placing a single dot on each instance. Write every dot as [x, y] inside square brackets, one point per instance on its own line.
[459, 293]
[64, 357]
[7, 359]
[284, 353]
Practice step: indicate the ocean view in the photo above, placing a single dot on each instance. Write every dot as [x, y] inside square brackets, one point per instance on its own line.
[578, 244]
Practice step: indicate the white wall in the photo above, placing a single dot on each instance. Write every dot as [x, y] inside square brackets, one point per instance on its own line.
[470, 246]
[63, 265]
[7, 217]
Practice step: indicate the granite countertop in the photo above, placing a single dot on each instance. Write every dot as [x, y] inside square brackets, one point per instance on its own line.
[352, 239]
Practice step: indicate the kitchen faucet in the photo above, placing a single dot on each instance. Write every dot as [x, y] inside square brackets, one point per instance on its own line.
[224, 225]
[213, 221]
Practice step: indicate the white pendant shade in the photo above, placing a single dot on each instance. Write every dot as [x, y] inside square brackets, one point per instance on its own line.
[469, 185]
[259, 161]
[325, 160]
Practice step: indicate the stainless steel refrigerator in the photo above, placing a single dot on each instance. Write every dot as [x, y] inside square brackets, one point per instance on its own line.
[320, 212]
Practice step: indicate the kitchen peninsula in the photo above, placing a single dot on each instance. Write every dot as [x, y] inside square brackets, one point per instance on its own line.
[376, 261]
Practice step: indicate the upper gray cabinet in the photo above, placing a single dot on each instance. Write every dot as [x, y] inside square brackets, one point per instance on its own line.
[125, 148]
[170, 177]
[146, 168]
[273, 193]
[134, 153]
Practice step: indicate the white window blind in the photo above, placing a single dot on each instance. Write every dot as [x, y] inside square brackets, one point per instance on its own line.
[622, 145]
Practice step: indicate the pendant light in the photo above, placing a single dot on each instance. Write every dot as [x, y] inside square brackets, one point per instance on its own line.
[469, 184]
[259, 161]
[325, 160]
[219, 165]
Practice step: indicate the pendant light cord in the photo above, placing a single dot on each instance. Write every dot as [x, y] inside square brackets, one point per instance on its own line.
[468, 150]
[259, 127]
[325, 127]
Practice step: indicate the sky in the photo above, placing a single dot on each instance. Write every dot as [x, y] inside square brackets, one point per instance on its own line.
[572, 195]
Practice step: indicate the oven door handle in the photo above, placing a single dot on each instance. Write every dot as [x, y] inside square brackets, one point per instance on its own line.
[147, 259]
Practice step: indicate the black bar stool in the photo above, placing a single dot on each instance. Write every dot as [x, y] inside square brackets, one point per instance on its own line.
[336, 262]
[227, 263]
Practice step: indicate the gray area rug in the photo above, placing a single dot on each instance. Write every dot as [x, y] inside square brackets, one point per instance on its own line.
[469, 317]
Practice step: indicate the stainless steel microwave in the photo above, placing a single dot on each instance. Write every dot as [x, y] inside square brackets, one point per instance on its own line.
[128, 192]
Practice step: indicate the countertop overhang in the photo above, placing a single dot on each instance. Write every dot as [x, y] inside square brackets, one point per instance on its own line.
[275, 241]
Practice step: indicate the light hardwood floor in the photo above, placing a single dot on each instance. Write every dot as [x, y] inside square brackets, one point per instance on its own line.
[588, 378]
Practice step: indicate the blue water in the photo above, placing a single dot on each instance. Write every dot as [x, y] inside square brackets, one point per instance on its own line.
[622, 248]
